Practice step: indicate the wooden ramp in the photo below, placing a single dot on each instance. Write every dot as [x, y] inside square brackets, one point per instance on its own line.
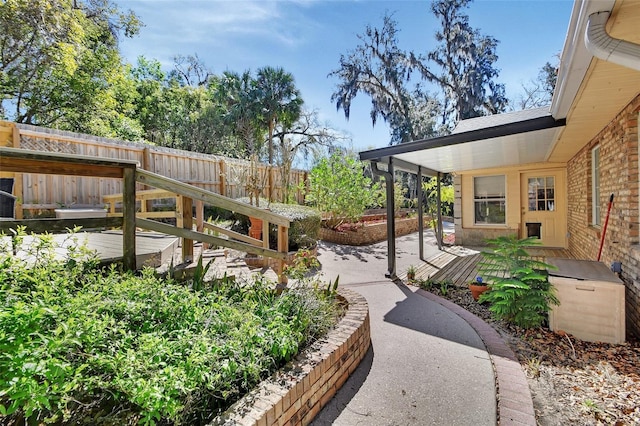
[152, 249]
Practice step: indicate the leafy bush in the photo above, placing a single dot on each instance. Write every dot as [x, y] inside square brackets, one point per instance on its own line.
[84, 346]
[519, 289]
[338, 187]
[305, 224]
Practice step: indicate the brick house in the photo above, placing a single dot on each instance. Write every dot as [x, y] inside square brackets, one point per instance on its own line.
[550, 172]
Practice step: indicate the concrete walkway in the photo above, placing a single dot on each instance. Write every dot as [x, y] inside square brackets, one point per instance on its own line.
[427, 365]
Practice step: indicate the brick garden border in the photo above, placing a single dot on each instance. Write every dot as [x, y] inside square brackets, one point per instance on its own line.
[514, 401]
[296, 394]
[369, 233]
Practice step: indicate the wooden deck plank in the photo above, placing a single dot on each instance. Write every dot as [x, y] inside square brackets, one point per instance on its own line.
[459, 265]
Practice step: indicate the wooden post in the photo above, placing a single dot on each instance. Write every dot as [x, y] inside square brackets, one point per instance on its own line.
[270, 176]
[283, 247]
[146, 165]
[187, 223]
[200, 220]
[306, 187]
[129, 219]
[222, 177]
[265, 238]
[18, 189]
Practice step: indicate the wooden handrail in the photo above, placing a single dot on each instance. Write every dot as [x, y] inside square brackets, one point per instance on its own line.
[158, 181]
[235, 235]
[199, 236]
[29, 161]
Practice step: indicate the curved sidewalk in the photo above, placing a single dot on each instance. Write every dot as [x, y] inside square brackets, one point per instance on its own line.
[431, 361]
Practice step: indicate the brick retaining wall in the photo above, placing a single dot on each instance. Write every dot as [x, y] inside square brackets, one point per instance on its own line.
[369, 233]
[296, 394]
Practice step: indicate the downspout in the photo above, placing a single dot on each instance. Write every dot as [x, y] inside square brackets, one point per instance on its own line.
[391, 223]
[601, 45]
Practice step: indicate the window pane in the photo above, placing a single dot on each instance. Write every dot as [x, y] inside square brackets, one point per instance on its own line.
[595, 183]
[490, 212]
[550, 183]
[489, 187]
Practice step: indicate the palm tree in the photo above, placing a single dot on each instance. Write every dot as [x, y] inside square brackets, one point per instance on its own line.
[237, 93]
[279, 98]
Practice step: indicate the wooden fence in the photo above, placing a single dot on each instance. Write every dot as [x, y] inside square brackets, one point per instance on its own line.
[35, 192]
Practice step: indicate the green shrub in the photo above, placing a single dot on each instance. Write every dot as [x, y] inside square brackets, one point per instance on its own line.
[80, 345]
[305, 224]
[338, 187]
[519, 289]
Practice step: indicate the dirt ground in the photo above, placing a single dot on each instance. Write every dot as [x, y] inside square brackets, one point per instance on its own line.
[572, 382]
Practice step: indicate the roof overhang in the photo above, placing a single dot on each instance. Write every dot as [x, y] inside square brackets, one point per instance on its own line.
[514, 141]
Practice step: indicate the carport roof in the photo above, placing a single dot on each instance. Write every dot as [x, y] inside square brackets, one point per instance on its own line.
[521, 137]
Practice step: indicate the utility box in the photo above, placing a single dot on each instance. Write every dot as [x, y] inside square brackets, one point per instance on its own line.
[591, 301]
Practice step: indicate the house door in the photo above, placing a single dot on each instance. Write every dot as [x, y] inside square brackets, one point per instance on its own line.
[543, 207]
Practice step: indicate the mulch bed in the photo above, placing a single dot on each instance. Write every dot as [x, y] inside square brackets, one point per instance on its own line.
[572, 382]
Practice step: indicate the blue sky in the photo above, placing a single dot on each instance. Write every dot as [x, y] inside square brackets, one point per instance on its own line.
[307, 37]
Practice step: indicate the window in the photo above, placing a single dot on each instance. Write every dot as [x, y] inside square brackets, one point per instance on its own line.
[489, 199]
[595, 186]
[542, 194]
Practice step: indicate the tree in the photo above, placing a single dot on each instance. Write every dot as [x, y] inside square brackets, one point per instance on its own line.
[338, 187]
[236, 96]
[279, 98]
[306, 136]
[538, 92]
[60, 65]
[465, 58]
[378, 68]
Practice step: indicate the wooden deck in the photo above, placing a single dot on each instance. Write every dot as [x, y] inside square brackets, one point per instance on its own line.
[459, 265]
[152, 249]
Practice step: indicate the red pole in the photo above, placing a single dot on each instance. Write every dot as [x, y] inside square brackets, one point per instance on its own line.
[604, 230]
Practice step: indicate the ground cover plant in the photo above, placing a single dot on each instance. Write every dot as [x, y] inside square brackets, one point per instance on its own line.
[81, 345]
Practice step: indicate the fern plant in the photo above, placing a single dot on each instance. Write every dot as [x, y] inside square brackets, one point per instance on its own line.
[519, 290]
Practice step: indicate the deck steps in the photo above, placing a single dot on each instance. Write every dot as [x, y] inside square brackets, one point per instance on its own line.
[459, 265]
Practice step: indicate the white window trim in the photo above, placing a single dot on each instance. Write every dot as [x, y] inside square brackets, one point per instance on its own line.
[596, 214]
[483, 224]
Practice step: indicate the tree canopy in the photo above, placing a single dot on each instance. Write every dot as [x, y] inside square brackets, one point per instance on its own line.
[378, 68]
[461, 66]
[60, 65]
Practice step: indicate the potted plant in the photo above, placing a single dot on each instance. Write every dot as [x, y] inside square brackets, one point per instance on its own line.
[411, 273]
[254, 184]
[478, 287]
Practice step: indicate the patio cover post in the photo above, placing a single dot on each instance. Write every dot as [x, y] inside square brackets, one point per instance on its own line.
[439, 214]
[420, 214]
[129, 218]
[391, 223]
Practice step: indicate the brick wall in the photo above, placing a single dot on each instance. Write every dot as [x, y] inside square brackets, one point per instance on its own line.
[296, 394]
[618, 175]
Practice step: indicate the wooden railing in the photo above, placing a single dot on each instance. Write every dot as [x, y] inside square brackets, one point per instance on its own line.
[13, 160]
[24, 161]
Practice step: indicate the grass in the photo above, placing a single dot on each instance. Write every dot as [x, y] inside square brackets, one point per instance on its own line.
[89, 346]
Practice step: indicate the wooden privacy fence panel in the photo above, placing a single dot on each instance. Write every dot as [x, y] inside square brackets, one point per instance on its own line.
[217, 174]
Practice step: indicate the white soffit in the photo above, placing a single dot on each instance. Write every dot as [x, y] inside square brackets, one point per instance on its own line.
[517, 149]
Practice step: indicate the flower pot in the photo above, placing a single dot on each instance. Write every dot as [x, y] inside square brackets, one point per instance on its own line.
[255, 231]
[411, 276]
[477, 290]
